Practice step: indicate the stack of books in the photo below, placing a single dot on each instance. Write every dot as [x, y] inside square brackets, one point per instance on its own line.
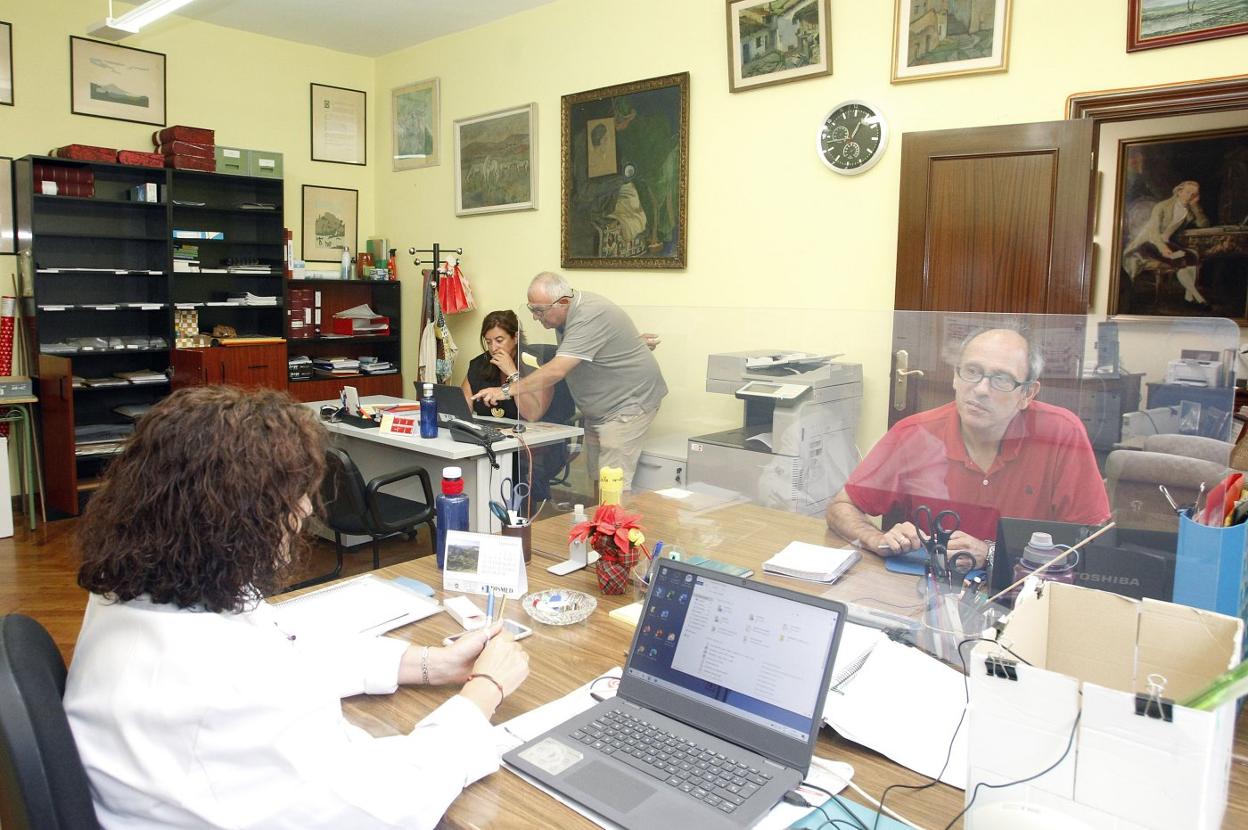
[299, 367]
[373, 366]
[250, 299]
[331, 367]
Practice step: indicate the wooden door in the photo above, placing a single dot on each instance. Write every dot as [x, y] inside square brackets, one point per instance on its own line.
[56, 408]
[993, 219]
[190, 368]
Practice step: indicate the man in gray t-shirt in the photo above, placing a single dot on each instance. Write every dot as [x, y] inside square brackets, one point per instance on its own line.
[613, 377]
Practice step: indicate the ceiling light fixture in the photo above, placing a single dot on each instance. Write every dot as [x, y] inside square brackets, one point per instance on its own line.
[116, 28]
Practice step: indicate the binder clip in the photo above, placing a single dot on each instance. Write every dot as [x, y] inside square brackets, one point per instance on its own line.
[1001, 667]
[1152, 704]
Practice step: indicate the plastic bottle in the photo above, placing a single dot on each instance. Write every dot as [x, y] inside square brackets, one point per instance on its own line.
[610, 485]
[578, 551]
[452, 508]
[428, 413]
[346, 262]
[392, 265]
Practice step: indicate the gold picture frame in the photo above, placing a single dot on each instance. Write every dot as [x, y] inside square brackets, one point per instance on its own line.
[931, 44]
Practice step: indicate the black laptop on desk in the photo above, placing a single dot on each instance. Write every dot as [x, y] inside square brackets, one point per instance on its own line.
[717, 711]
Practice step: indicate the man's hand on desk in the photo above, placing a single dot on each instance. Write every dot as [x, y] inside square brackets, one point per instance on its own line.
[961, 542]
[491, 395]
[902, 537]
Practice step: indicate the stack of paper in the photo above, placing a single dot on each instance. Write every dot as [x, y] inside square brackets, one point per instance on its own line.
[365, 605]
[143, 376]
[336, 366]
[812, 562]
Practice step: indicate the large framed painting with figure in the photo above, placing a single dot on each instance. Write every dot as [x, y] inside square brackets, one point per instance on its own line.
[1155, 23]
[777, 41]
[940, 40]
[625, 153]
[1181, 225]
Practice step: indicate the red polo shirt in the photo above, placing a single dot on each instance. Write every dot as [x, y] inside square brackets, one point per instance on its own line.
[1045, 469]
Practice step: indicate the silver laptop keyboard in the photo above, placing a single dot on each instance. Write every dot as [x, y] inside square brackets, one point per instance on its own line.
[704, 775]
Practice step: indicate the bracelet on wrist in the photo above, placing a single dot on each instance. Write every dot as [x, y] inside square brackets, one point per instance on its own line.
[513, 377]
[424, 665]
[497, 685]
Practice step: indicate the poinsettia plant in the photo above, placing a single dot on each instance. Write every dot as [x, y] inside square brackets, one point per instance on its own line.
[617, 536]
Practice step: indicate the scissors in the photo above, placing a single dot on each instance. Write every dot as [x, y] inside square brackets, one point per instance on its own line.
[940, 527]
[513, 495]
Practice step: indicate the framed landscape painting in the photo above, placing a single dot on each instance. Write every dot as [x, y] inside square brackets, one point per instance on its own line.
[415, 111]
[330, 218]
[964, 37]
[625, 193]
[777, 41]
[495, 162]
[118, 82]
[1155, 23]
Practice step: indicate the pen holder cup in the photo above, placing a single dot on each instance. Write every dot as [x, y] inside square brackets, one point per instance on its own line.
[525, 533]
[1210, 565]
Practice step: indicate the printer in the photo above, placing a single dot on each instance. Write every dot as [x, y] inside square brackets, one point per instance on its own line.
[795, 447]
[1191, 372]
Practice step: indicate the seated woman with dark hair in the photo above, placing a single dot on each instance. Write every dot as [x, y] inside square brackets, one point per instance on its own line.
[190, 706]
[496, 365]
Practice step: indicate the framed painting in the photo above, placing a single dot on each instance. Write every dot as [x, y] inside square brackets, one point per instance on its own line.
[1155, 23]
[8, 232]
[944, 40]
[1180, 245]
[339, 124]
[778, 41]
[6, 63]
[118, 82]
[625, 182]
[415, 112]
[330, 219]
[496, 162]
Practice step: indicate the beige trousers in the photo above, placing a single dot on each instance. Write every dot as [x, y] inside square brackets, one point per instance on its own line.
[616, 442]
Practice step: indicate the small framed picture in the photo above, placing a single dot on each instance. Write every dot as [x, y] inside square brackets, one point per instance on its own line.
[496, 162]
[8, 235]
[330, 220]
[769, 45]
[966, 39]
[339, 124]
[415, 111]
[118, 82]
[1155, 23]
[6, 63]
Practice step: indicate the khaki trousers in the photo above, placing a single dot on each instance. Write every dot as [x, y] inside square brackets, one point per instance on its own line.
[616, 442]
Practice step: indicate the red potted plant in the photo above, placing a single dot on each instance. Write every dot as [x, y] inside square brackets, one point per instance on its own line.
[617, 537]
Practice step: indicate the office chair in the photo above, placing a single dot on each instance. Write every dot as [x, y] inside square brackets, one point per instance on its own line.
[562, 410]
[353, 507]
[43, 785]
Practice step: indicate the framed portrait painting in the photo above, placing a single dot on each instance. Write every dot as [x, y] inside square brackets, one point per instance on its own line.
[118, 82]
[6, 63]
[1180, 245]
[931, 41]
[1155, 23]
[625, 182]
[339, 124]
[415, 112]
[774, 43]
[496, 162]
[330, 220]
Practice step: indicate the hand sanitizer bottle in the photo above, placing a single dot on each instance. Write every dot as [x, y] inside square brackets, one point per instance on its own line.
[578, 551]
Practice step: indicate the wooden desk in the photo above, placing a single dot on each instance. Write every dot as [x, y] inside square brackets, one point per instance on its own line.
[563, 658]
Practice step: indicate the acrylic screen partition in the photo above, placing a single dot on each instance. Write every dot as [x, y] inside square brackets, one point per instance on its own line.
[752, 443]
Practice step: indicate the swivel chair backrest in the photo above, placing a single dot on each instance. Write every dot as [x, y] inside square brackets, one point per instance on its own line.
[43, 785]
[343, 491]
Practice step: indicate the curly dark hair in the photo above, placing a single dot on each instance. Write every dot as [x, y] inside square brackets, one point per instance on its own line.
[204, 505]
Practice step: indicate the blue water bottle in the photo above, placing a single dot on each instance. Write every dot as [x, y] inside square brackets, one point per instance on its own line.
[452, 508]
[428, 413]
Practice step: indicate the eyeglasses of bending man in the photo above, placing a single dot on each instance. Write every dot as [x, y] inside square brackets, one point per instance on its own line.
[1000, 381]
[538, 309]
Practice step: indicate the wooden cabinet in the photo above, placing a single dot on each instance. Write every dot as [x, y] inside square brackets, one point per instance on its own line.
[384, 298]
[245, 366]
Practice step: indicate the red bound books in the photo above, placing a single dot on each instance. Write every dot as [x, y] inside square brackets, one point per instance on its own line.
[140, 159]
[84, 152]
[179, 132]
[191, 163]
[186, 148]
[69, 181]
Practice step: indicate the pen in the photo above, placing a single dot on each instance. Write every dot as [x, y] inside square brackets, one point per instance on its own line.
[489, 603]
[501, 606]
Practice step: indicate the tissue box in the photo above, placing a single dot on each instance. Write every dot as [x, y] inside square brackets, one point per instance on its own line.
[1133, 764]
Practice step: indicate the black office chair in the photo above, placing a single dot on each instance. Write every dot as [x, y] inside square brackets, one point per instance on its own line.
[562, 410]
[43, 785]
[355, 508]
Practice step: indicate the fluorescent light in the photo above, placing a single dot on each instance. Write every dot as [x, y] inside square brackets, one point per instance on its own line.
[116, 28]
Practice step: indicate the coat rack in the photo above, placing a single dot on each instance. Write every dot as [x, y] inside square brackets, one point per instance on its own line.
[429, 286]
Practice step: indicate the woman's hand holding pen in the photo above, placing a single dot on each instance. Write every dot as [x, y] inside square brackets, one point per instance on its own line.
[449, 664]
[499, 670]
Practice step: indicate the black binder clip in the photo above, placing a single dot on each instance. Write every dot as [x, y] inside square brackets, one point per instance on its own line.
[998, 666]
[1152, 704]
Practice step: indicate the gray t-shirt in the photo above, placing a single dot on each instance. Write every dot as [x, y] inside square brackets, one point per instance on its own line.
[617, 373]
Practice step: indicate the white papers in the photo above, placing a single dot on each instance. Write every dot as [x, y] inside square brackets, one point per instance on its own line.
[852, 652]
[359, 312]
[815, 563]
[364, 605]
[905, 705]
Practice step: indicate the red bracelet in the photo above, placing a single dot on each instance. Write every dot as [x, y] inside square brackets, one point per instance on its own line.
[497, 685]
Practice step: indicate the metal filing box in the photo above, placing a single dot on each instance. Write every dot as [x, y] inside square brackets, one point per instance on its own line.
[265, 164]
[231, 160]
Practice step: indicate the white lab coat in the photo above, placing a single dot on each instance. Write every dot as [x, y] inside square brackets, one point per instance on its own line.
[195, 719]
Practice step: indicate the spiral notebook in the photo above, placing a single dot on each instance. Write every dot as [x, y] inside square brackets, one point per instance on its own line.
[815, 563]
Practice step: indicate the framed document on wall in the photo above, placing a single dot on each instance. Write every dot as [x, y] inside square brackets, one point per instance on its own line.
[339, 124]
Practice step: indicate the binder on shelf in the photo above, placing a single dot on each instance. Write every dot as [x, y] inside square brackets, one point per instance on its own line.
[360, 320]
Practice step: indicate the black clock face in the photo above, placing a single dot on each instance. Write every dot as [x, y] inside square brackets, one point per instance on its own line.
[852, 137]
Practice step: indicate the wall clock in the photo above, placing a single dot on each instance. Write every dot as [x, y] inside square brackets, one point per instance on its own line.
[852, 137]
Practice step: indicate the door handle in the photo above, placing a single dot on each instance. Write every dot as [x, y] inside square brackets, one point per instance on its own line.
[901, 371]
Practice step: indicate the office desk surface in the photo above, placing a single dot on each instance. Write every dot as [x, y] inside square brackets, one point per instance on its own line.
[563, 658]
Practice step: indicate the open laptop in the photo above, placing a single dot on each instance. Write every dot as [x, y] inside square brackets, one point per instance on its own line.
[450, 400]
[717, 711]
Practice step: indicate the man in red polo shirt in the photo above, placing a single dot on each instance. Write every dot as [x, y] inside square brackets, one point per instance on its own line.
[994, 451]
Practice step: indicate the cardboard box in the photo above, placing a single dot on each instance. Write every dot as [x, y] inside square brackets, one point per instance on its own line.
[360, 326]
[233, 160]
[1092, 654]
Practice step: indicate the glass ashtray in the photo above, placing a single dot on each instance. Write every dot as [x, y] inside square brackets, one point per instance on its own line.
[558, 606]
